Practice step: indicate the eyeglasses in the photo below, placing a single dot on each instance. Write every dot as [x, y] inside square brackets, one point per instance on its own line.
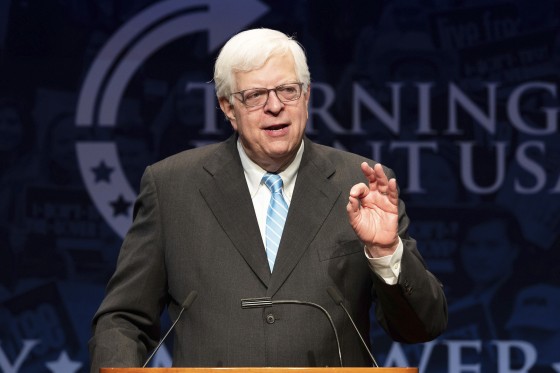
[254, 97]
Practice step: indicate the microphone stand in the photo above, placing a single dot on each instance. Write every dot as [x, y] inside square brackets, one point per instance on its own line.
[268, 302]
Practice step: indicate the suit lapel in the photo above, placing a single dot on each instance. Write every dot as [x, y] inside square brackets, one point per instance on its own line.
[229, 199]
[312, 201]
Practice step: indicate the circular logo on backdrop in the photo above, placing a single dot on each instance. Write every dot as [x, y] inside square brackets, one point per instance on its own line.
[116, 64]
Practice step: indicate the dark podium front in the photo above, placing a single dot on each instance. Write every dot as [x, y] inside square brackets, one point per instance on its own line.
[259, 370]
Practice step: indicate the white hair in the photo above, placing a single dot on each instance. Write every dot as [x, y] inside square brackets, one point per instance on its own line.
[250, 50]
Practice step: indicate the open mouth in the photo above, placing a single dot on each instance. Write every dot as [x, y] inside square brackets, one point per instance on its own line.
[277, 129]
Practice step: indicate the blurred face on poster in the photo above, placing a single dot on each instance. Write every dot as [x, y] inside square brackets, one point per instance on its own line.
[487, 254]
[535, 319]
[189, 102]
[11, 129]
[62, 142]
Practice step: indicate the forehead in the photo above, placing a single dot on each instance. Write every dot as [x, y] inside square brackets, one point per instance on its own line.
[278, 69]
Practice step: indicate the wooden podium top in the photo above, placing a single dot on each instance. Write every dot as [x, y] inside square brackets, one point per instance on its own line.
[259, 370]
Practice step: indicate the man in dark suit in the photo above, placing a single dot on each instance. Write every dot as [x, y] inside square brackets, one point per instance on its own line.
[201, 223]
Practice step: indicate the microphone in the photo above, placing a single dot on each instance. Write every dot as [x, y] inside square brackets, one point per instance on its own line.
[338, 299]
[185, 306]
[268, 302]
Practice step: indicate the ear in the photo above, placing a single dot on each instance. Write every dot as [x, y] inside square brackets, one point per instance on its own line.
[229, 112]
[306, 95]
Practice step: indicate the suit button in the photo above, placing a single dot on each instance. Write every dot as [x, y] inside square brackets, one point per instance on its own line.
[407, 288]
[270, 318]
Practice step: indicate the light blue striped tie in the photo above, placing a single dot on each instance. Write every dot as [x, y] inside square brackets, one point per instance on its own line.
[275, 217]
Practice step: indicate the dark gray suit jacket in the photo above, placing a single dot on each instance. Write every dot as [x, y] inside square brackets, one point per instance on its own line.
[195, 229]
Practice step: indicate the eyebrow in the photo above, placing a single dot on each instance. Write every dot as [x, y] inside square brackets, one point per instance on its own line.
[277, 85]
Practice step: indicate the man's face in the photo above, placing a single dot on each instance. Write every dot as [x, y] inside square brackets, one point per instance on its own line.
[271, 134]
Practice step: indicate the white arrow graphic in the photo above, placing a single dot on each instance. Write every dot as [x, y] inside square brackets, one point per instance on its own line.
[116, 64]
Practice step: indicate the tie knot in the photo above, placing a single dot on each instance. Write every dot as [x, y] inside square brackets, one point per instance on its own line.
[273, 182]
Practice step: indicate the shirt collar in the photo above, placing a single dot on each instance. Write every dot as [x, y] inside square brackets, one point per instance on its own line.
[254, 173]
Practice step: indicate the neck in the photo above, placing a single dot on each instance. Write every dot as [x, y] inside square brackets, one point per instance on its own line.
[272, 165]
[276, 167]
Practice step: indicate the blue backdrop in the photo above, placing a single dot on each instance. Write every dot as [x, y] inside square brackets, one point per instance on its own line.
[459, 97]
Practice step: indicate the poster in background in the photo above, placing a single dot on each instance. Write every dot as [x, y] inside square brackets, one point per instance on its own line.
[459, 98]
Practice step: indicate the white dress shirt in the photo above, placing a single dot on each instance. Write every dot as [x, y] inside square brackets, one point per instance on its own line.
[387, 267]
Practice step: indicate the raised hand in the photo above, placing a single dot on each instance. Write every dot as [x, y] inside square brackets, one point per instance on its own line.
[373, 211]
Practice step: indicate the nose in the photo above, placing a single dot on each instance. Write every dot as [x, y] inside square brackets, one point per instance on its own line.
[273, 103]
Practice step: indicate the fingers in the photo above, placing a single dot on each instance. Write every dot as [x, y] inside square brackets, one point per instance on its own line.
[359, 190]
[377, 178]
[352, 207]
[367, 170]
[393, 192]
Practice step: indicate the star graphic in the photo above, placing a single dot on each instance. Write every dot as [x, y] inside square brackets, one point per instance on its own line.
[120, 206]
[63, 364]
[102, 172]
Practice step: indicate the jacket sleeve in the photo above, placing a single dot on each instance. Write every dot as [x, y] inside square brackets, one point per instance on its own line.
[126, 325]
[415, 309]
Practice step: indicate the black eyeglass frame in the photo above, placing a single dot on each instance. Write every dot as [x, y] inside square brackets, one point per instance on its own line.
[242, 97]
